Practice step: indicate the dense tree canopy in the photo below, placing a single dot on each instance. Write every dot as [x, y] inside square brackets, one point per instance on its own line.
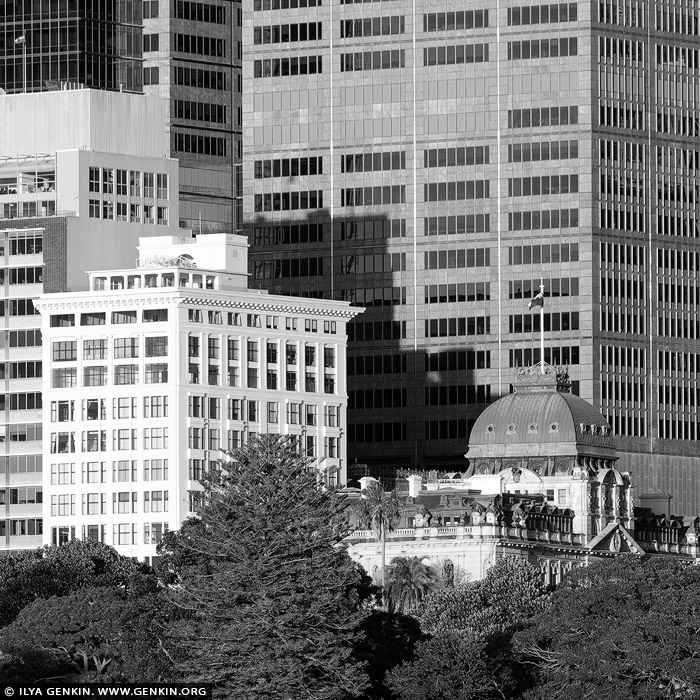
[511, 592]
[273, 602]
[56, 571]
[103, 634]
[626, 628]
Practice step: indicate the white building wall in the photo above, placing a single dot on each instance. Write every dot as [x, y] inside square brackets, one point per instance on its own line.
[220, 347]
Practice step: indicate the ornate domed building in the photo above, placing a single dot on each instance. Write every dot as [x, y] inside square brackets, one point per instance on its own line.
[540, 482]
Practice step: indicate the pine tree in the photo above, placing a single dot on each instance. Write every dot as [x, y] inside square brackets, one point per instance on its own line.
[272, 602]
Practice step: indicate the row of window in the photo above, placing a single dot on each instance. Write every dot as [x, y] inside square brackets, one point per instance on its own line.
[542, 116]
[122, 502]
[259, 5]
[200, 45]
[201, 78]
[122, 439]
[461, 155]
[362, 365]
[124, 211]
[67, 377]
[26, 527]
[22, 275]
[545, 219]
[542, 14]
[372, 26]
[99, 318]
[459, 292]
[286, 33]
[287, 268]
[273, 379]
[530, 323]
[456, 191]
[457, 360]
[199, 12]
[542, 185]
[21, 464]
[378, 431]
[128, 182]
[456, 258]
[21, 401]
[376, 330]
[377, 398]
[375, 296]
[204, 145]
[618, 50]
[368, 228]
[122, 471]
[21, 432]
[17, 307]
[542, 253]
[458, 224]
[372, 60]
[545, 150]
[289, 201]
[370, 196]
[96, 409]
[29, 243]
[455, 55]
[457, 395]
[554, 287]
[455, 21]
[372, 263]
[296, 65]
[122, 533]
[372, 162]
[557, 356]
[457, 326]
[272, 352]
[25, 495]
[21, 370]
[626, 255]
[256, 321]
[288, 167]
[200, 111]
[67, 350]
[289, 234]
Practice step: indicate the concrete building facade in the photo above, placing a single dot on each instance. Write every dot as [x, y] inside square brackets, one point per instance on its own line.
[436, 164]
[80, 184]
[156, 369]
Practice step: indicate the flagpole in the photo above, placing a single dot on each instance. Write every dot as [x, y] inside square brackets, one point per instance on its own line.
[24, 63]
[542, 328]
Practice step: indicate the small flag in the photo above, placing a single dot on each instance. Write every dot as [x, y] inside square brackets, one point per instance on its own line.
[537, 300]
[20, 39]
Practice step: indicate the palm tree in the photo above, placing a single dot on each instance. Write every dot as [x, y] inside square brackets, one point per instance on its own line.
[408, 582]
[382, 511]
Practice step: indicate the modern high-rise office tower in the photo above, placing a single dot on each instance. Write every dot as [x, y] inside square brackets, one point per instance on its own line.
[82, 179]
[437, 163]
[93, 43]
[192, 57]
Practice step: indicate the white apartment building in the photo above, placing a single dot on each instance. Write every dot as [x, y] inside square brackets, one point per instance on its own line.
[156, 369]
[83, 176]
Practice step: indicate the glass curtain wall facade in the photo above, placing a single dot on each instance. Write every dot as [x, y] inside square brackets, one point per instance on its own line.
[436, 164]
[95, 43]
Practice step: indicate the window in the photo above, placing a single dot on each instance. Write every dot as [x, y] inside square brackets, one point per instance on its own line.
[213, 345]
[253, 412]
[123, 317]
[62, 320]
[155, 469]
[124, 439]
[93, 319]
[157, 347]
[94, 473]
[310, 356]
[148, 188]
[155, 407]
[94, 376]
[252, 351]
[65, 377]
[311, 412]
[94, 441]
[155, 438]
[124, 407]
[310, 384]
[291, 354]
[155, 315]
[329, 384]
[126, 347]
[150, 43]
[63, 473]
[62, 443]
[162, 186]
[62, 411]
[64, 351]
[271, 379]
[157, 374]
[126, 374]
[291, 381]
[328, 357]
[272, 412]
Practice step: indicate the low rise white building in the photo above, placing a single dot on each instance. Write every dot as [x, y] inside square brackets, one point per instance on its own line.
[155, 370]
